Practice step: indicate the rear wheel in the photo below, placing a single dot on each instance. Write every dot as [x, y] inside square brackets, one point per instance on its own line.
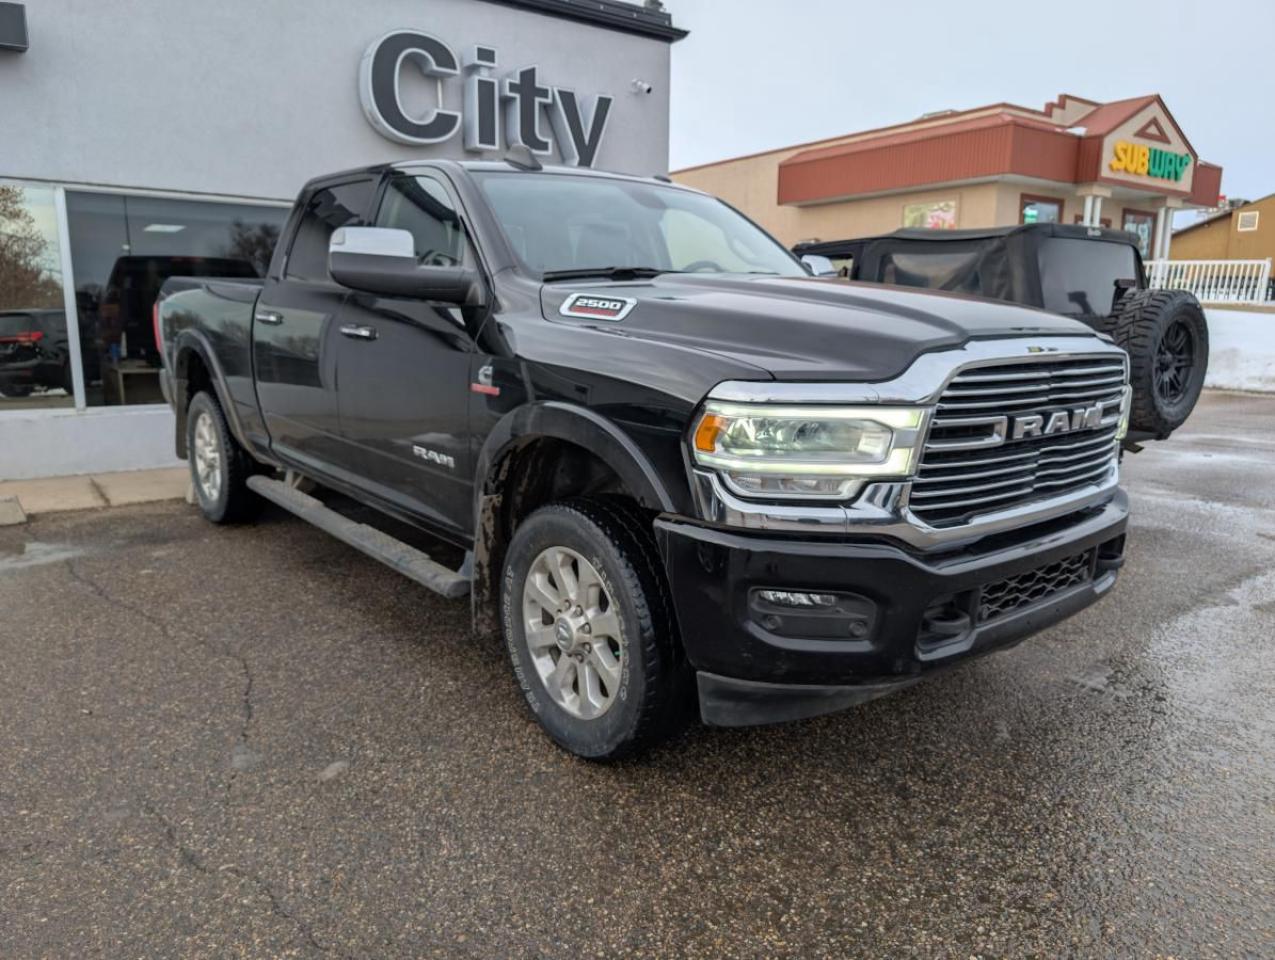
[588, 627]
[1167, 339]
[219, 467]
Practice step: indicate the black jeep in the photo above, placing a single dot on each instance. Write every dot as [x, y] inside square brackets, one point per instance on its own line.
[1092, 274]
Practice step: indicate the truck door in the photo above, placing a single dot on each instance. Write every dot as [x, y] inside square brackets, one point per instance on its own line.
[294, 330]
[404, 369]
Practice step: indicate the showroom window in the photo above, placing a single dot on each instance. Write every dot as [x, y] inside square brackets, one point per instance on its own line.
[35, 355]
[1039, 209]
[1141, 225]
[123, 248]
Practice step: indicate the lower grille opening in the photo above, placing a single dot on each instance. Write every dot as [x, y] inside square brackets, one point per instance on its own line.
[1022, 590]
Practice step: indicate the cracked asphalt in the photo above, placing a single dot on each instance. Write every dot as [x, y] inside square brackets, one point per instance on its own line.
[255, 742]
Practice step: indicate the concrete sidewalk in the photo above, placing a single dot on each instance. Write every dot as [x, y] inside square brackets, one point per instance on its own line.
[20, 498]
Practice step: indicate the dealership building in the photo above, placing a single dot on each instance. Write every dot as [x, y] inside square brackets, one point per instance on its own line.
[171, 141]
[1125, 164]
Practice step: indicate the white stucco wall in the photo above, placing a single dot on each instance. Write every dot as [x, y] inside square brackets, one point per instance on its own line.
[1241, 350]
[54, 443]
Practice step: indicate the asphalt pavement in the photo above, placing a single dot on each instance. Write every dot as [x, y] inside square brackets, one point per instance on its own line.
[255, 742]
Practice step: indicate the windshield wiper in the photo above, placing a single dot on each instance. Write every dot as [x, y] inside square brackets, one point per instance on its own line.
[606, 273]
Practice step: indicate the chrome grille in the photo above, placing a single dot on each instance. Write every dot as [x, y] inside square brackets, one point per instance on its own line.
[972, 464]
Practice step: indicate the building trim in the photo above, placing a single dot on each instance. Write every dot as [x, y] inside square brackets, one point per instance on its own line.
[609, 14]
[95, 187]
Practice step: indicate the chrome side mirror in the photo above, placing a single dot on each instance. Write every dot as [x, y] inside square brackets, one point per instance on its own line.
[818, 266]
[382, 260]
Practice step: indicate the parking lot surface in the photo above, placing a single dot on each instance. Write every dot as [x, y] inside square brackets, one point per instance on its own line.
[255, 742]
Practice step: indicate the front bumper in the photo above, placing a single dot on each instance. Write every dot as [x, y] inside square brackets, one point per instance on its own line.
[905, 614]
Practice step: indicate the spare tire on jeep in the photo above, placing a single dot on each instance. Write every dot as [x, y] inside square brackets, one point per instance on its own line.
[1167, 339]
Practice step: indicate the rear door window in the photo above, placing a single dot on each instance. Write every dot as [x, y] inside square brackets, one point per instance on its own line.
[944, 269]
[1078, 277]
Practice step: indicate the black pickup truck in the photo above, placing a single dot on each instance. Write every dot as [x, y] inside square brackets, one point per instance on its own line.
[678, 474]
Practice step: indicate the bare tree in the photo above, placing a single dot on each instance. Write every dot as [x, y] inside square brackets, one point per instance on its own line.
[25, 281]
[252, 242]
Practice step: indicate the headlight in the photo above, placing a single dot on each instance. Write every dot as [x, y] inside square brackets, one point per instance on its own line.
[811, 452]
[1126, 405]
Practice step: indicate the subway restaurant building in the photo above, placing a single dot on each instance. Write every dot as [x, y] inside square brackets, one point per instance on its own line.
[1125, 165]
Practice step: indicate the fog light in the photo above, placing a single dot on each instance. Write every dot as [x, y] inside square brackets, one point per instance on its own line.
[784, 598]
[811, 615]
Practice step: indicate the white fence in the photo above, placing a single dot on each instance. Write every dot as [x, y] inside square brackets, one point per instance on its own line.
[1214, 281]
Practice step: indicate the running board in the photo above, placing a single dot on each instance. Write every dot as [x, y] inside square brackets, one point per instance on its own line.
[407, 560]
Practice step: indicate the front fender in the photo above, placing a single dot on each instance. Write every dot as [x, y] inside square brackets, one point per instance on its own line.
[549, 420]
[584, 428]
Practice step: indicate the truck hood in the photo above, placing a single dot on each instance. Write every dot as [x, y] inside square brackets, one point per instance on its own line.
[799, 328]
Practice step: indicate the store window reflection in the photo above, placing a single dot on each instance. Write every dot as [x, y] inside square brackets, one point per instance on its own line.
[35, 358]
[123, 248]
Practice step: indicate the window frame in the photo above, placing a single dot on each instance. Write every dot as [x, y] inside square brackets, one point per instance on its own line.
[1239, 221]
[1025, 199]
[1150, 218]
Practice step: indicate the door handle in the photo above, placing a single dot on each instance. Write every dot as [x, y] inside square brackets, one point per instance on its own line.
[357, 332]
[270, 317]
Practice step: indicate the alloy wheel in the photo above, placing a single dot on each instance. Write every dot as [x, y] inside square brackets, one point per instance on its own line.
[1174, 361]
[572, 627]
[208, 459]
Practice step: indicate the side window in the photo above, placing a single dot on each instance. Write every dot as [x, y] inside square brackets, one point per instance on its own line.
[422, 207]
[327, 209]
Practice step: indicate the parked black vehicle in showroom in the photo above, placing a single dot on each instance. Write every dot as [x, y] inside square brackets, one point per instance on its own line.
[1090, 273]
[34, 352]
[684, 475]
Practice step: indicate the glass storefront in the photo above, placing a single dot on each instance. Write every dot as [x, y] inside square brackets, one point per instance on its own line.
[123, 248]
[35, 353]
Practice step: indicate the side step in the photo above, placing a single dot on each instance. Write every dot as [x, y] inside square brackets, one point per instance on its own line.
[380, 546]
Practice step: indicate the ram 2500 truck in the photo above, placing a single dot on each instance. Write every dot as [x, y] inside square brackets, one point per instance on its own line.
[683, 475]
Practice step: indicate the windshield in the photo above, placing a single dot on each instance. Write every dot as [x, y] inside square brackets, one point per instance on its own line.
[557, 222]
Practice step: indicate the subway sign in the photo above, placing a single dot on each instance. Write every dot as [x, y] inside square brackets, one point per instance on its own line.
[509, 109]
[1149, 161]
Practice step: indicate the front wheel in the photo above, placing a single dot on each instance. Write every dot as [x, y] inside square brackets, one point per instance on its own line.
[219, 467]
[587, 624]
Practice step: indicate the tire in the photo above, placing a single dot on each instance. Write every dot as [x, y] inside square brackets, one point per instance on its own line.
[15, 390]
[228, 499]
[1167, 339]
[649, 702]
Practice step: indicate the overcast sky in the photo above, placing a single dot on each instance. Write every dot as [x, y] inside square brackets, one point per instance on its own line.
[756, 74]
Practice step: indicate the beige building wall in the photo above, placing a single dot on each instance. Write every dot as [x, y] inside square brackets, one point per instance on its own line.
[1208, 241]
[1221, 239]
